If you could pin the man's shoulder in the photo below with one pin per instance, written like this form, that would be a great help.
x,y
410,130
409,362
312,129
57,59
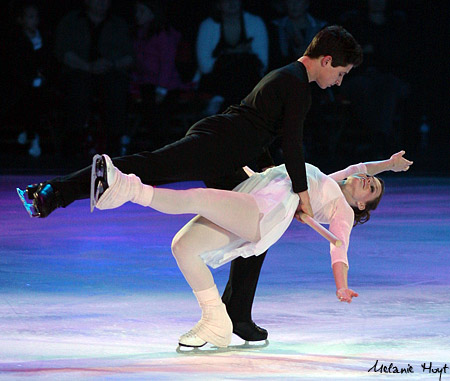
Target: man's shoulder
x,y
291,72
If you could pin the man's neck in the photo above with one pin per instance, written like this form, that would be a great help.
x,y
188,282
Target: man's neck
x,y
311,67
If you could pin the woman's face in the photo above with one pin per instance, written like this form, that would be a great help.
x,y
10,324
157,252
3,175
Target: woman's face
x,y
29,19
143,14
362,188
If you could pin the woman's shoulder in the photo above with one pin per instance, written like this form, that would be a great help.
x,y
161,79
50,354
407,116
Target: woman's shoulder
x,y
343,211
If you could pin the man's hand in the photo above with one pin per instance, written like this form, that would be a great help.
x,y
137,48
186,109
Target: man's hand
x,y
303,206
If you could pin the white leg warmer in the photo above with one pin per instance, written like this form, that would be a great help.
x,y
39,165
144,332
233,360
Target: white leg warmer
x,y
215,326
123,188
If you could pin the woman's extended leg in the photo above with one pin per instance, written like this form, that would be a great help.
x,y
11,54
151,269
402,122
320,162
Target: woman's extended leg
x,y
235,212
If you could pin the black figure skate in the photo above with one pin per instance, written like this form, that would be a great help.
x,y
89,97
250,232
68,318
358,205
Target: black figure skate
x,y
44,199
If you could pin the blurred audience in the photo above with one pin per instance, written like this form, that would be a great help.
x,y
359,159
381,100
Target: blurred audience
x,y
96,53
155,79
296,30
29,65
232,53
97,67
379,85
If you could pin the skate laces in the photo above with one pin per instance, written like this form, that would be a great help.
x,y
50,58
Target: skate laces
x,y
190,334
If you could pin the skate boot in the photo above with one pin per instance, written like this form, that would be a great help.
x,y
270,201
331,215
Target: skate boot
x,y
249,331
110,188
214,327
45,199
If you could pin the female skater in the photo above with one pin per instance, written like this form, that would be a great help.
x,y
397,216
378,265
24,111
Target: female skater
x,y
246,222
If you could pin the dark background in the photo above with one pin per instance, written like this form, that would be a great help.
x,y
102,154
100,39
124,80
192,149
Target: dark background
x,y
426,67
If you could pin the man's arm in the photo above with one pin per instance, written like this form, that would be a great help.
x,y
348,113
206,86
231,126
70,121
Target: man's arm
x,y
297,105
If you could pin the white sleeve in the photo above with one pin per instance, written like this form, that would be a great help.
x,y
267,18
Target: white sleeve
x,y
256,28
350,170
341,225
207,39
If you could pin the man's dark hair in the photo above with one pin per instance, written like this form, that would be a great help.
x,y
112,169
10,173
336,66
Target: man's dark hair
x,y
336,42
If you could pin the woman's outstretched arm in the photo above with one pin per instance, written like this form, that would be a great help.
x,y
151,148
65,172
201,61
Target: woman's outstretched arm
x,y
395,163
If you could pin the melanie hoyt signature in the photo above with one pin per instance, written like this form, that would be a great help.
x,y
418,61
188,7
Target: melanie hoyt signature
x,y
426,367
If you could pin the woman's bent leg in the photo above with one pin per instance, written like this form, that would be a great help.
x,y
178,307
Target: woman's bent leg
x,y
198,236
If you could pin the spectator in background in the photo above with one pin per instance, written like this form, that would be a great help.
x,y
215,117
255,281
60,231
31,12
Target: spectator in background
x,y
155,75
232,53
379,84
96,52
28,61
296,30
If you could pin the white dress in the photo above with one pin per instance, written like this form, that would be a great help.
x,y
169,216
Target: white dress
x,y
273,193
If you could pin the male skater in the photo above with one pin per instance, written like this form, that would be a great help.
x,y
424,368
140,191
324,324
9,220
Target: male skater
x,y
218,146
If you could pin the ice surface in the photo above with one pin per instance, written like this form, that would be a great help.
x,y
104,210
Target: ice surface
x,y
98,296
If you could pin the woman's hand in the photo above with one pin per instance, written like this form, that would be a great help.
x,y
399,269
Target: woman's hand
x,y
346,295
399,163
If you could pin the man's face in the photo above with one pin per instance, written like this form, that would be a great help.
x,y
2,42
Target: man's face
x,y
328,75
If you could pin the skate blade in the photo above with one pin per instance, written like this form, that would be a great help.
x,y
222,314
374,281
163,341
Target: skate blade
x,y
94,176
251,345
194,351
31,210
